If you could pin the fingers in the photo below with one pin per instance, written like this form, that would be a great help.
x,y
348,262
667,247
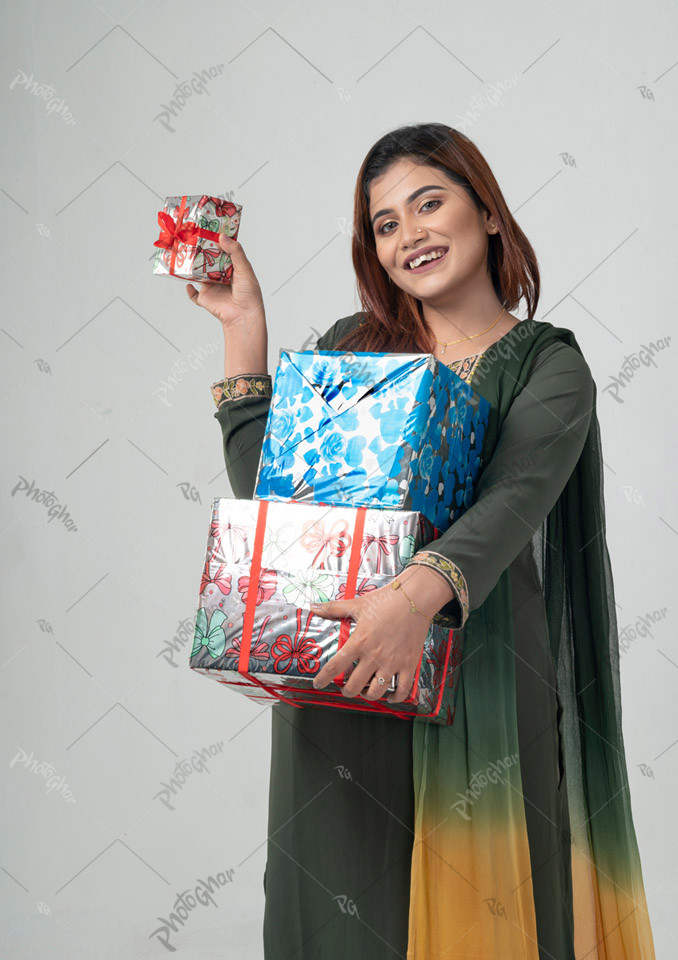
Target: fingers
x,y
361,680
335,666
364,678
358,668
403,689
375,690
343,662
194,295
233,249
336,609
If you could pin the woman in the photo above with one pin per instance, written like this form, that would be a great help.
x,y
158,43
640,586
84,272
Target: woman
x,y
509,833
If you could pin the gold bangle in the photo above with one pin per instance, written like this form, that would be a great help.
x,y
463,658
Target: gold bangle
x,y
395,585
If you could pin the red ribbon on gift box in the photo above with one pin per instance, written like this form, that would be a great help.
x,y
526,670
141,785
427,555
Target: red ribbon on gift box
x,y
173,232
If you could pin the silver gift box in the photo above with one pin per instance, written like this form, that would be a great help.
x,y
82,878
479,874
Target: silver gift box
x,y
266,561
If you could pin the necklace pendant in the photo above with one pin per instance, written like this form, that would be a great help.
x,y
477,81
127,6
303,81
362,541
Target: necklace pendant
x,y
444,348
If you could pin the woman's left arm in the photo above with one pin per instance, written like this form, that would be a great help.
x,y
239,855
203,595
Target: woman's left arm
x,y
540,442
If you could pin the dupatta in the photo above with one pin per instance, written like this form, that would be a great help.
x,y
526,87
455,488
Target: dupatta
x,y
471,889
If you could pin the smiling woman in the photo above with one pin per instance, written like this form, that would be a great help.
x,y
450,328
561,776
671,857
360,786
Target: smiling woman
x,y
507,833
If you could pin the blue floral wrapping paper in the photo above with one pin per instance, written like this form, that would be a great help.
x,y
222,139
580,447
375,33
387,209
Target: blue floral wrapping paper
x,y
304,556
390,430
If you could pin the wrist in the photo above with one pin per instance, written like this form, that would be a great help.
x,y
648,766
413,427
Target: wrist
x,y
253,319
245,349
428,589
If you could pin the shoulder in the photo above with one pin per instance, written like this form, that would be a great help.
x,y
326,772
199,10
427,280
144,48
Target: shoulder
x,y
339,328
560,364
561,353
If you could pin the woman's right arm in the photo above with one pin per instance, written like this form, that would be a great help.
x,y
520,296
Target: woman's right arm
x,y
242,410
243,397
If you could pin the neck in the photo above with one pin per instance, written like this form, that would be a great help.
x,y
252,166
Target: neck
x,y
464,319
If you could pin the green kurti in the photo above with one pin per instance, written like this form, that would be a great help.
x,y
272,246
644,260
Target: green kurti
x,y
342,801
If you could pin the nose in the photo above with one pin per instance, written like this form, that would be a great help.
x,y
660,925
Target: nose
x,y
411,233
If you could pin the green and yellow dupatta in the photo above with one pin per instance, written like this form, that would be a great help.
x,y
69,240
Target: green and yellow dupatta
x,y
471,891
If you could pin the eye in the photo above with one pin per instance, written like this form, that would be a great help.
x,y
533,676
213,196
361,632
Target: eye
x,y
381,228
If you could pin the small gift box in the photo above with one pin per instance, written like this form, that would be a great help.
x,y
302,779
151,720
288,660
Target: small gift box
x,y
188,245
390,430
267,561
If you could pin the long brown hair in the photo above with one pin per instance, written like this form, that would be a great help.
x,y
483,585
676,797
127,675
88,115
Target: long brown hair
x,y
394,319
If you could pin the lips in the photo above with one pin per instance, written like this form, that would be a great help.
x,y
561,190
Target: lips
x,y
428,264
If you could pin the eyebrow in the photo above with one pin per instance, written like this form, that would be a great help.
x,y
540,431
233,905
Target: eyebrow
x,y
412,197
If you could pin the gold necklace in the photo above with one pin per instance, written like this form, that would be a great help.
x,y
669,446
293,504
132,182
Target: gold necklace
x,y
445,344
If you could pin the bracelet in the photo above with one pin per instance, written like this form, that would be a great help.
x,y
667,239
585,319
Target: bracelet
x,y
395,585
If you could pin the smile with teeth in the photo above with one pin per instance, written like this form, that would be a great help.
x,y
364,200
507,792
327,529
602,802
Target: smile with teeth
x,y
432,255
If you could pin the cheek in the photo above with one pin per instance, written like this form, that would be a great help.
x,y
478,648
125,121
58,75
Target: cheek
x,y
386,257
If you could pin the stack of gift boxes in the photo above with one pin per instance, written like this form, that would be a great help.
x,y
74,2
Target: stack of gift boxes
x,y
366,458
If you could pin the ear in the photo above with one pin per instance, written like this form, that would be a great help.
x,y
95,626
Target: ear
x,y
490,222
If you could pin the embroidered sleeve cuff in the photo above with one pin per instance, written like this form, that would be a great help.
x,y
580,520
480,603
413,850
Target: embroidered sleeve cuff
x,y
246,385
451,572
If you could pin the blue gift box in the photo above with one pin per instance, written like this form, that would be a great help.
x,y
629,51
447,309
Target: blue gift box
x,y
396,431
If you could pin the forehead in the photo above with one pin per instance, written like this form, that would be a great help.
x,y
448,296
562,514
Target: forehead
x,y
400,179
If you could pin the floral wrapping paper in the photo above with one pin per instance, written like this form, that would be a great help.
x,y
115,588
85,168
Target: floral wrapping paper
x,y
266,561
202,259
389,430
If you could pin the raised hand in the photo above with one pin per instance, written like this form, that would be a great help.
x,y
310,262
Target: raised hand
x,y
239,300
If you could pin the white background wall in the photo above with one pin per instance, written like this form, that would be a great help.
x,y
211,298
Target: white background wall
x,y
582,140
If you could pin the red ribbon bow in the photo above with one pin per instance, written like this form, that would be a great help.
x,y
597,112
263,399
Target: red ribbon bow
x,y
175,231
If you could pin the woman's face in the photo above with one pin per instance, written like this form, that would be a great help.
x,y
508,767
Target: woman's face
x,y
410,196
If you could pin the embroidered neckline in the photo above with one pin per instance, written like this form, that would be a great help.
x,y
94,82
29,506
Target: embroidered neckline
x,y
466,366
